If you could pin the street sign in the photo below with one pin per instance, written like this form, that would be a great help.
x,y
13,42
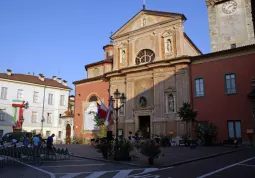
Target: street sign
x,y
249,131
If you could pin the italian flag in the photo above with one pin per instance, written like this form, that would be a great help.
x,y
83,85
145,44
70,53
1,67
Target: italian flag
x,y
18,111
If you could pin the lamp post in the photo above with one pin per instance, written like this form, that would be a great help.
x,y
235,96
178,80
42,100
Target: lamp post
x,y
118,96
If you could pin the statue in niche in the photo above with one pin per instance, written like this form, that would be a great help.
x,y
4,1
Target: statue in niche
x,y
123,56
170,103
169,45
144,22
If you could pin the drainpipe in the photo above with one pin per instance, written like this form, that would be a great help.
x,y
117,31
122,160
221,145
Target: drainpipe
x,y
43,111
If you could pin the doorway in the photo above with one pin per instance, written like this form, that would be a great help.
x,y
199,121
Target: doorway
x,y
68,133
144,126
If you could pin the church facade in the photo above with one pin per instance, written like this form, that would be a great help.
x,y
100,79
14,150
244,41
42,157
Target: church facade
x,y
150,65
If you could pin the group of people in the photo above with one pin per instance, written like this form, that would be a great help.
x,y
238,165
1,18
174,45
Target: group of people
x,y
37,141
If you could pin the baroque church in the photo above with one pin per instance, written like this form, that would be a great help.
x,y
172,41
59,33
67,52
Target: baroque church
x,y
147,61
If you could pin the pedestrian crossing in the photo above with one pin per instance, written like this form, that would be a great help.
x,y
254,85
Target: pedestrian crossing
x,y
107,174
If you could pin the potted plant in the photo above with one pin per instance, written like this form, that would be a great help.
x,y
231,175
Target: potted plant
x,y
188,115
104,146
68,140
122,150
150,149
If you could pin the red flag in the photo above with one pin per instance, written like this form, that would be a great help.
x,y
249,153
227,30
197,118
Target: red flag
x,y
102,111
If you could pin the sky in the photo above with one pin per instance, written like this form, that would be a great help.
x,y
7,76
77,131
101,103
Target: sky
x,y
59,37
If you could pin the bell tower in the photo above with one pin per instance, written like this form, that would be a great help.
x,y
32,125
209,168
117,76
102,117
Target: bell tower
x,y
231,23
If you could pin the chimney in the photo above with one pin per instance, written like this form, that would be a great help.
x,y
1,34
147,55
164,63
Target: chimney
x,y
9,72
65,82
54,77
41,77
59,80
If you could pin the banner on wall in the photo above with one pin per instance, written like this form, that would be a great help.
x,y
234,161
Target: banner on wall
x,y
18,112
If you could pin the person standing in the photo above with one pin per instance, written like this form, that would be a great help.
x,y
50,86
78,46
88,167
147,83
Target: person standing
x,y
50,143
26,141
36,141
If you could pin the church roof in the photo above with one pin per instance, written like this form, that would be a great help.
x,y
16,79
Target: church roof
x,y
150,12
98,62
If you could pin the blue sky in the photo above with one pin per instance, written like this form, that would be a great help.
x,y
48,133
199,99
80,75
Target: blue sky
x,y
59,37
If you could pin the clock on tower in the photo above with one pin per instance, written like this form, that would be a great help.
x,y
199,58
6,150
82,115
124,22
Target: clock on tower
x,y
231,23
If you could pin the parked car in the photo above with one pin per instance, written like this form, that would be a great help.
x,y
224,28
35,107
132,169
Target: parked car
x,y
15,135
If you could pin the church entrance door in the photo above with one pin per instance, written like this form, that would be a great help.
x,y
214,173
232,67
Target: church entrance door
x,y
68,133
144,126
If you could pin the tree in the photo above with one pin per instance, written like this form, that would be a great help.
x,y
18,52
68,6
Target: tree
x,y
100,123
187,114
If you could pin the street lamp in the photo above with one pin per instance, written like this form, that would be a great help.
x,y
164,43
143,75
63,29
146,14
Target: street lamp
x,y
118,96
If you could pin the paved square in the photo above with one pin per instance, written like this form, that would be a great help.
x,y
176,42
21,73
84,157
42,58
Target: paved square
x,y
234,165
73,168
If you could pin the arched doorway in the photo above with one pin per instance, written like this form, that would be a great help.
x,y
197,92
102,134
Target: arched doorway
x,y
68,134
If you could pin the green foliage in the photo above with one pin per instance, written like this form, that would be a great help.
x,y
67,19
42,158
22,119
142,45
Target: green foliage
x,y
102,132
186,113
164,140
206,133
98,121
150,149
68,140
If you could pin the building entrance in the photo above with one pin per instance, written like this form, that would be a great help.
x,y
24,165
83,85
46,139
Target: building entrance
x,y
144,126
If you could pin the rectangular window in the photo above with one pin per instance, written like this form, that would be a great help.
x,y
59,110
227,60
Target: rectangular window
x,y
35,97
230,82
59,121
20,94
50,99
2,115
34,117
3,93
62,100
59,134
49,118
199,87
234,129
47,133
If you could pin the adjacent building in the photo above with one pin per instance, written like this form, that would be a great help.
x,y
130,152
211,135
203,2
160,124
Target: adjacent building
x,y
47,98
222,81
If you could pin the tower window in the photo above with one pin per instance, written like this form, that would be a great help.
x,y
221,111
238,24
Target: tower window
x,y
233,46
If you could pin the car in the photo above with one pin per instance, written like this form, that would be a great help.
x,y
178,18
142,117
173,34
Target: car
x,y
15,135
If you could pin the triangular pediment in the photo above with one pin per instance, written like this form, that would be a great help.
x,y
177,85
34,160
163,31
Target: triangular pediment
x,y
146,18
